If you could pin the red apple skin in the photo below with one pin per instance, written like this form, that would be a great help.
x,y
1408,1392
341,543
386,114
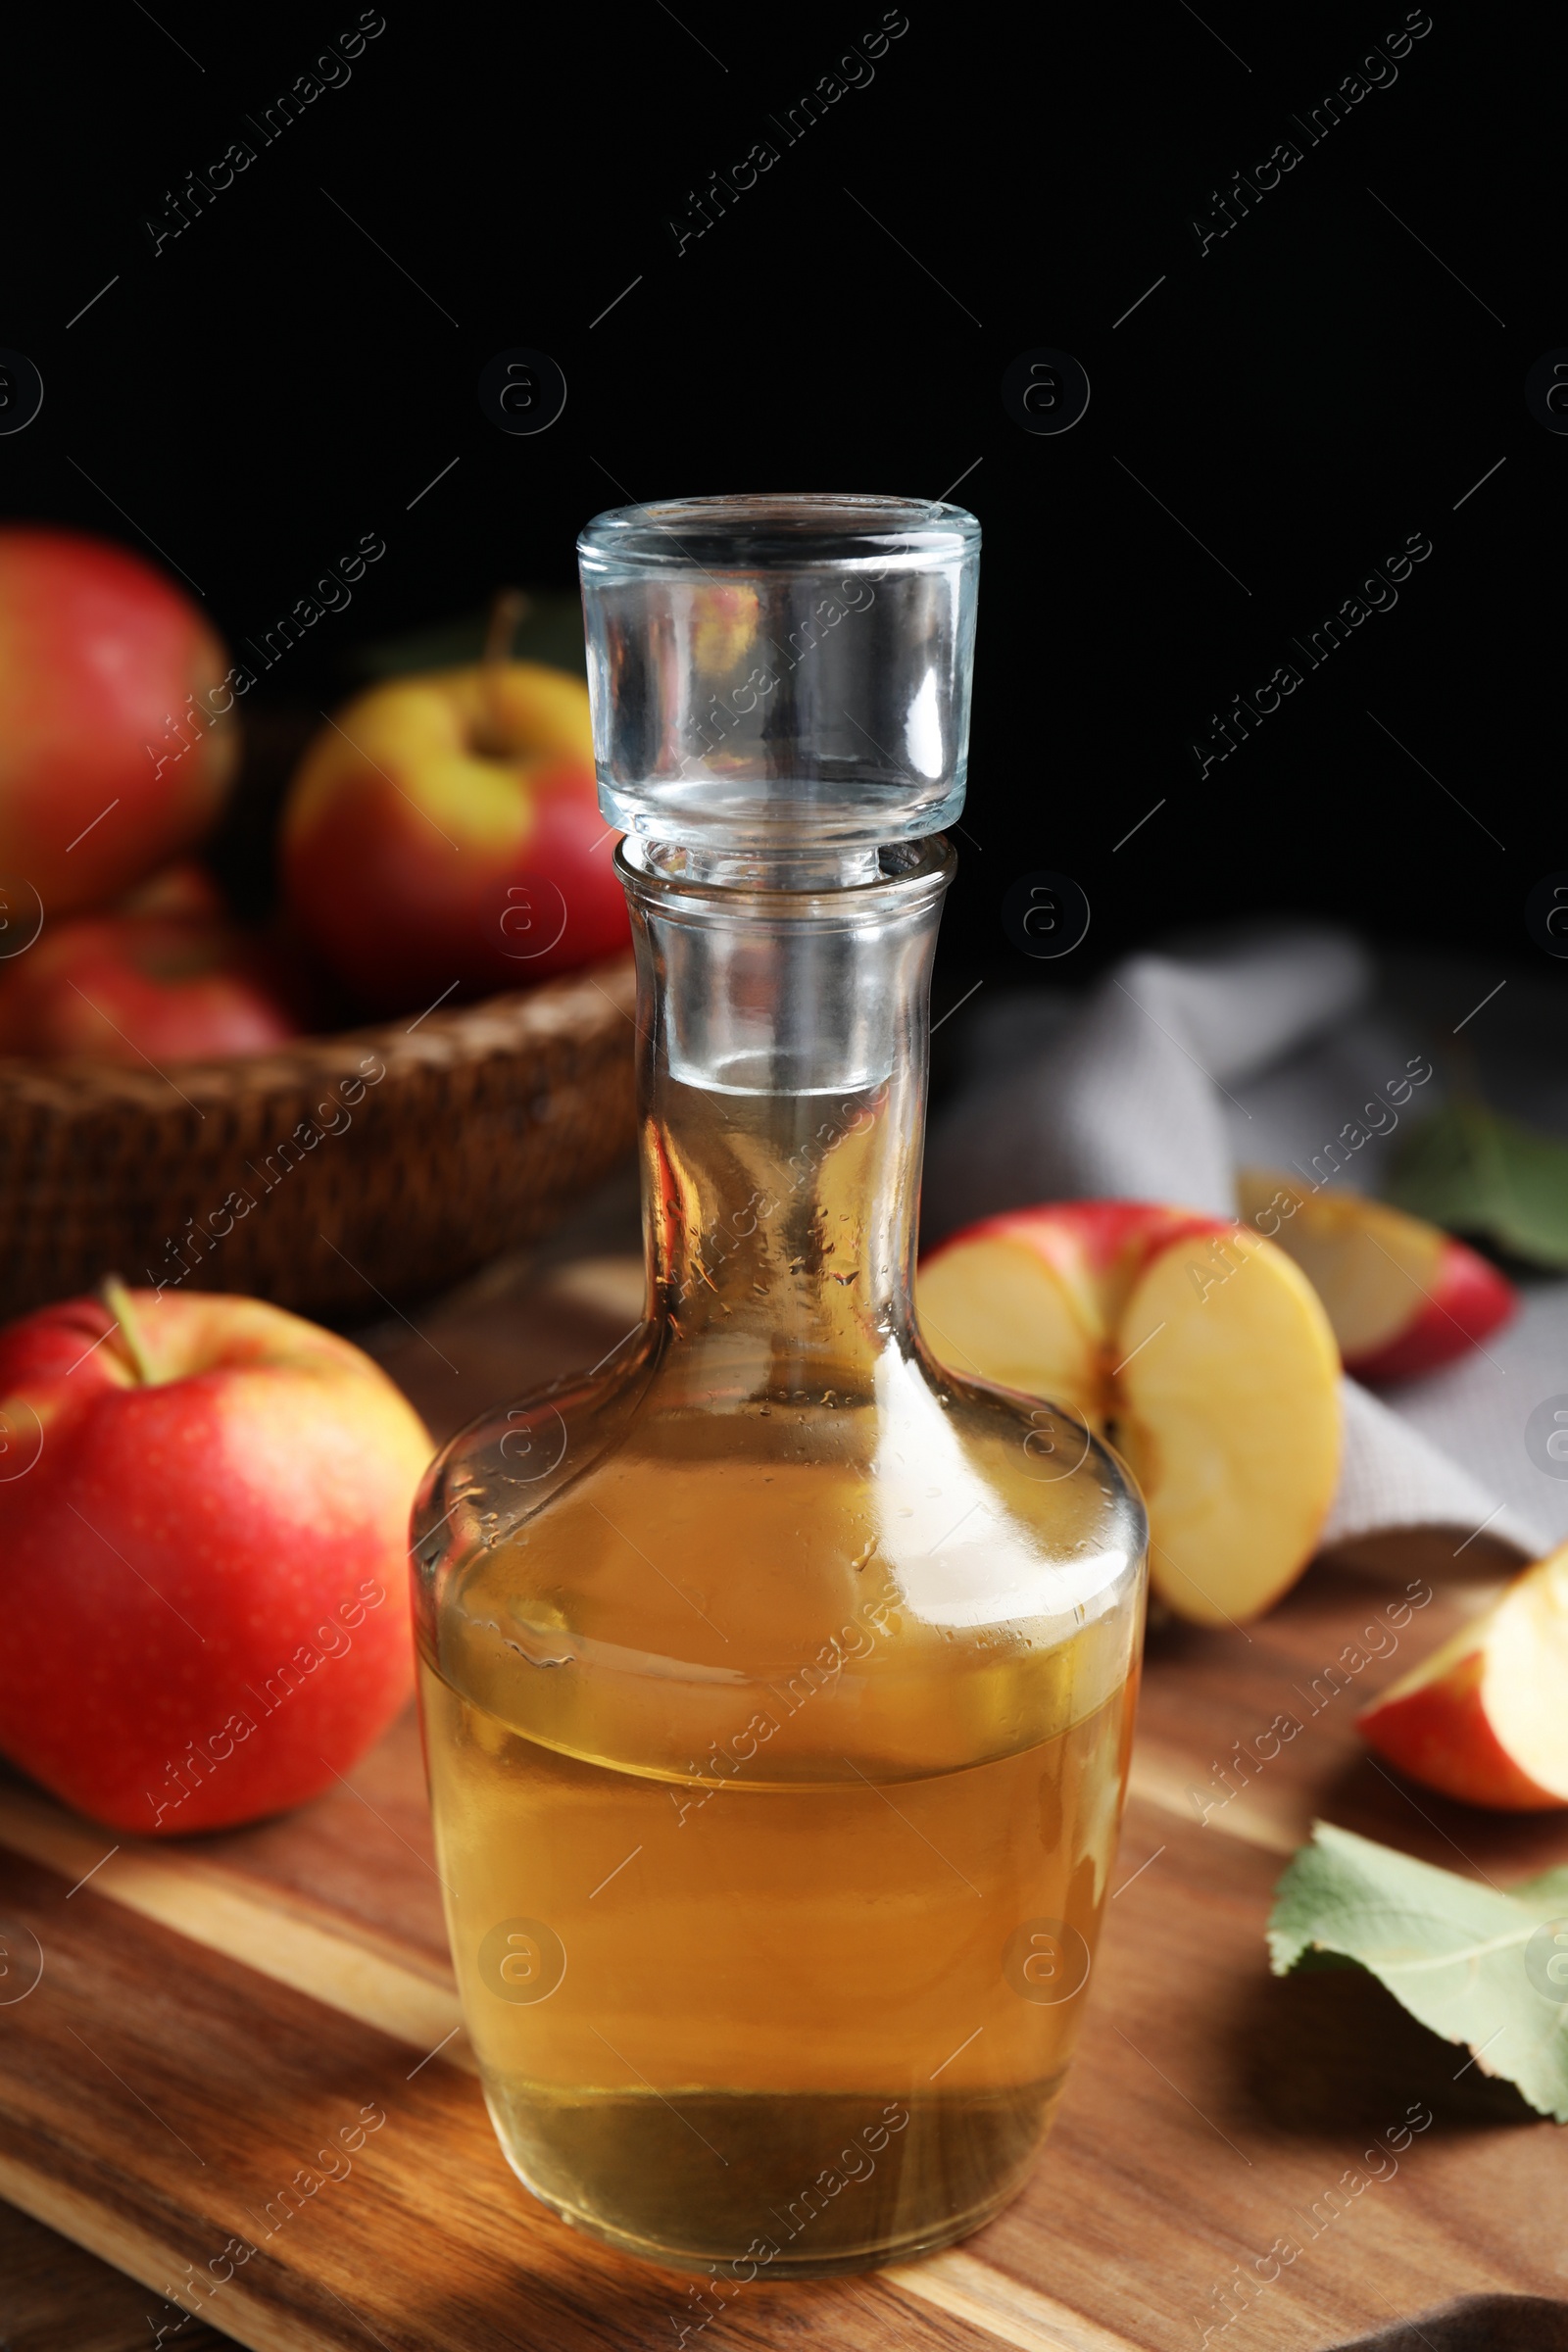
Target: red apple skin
x,y
98,652
1093,1233
205,1580
1468,1302
416,860
135,989
1440,1736
185,887
398,918
1097,1243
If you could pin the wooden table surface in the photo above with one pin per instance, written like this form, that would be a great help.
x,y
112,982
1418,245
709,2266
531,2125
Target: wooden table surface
x,y
211,2010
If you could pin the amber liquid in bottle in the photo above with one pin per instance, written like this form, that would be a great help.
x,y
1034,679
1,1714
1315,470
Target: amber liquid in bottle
x,y
777,1696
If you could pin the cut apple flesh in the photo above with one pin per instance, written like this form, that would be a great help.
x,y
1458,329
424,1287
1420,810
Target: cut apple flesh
x,y
998,1310
1230,1417
1214,1372
1485,1718
1402,1296
1371,1266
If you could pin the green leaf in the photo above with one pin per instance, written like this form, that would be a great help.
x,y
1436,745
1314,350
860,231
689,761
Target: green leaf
x,y
1471,1170
1451,1951
1547,1896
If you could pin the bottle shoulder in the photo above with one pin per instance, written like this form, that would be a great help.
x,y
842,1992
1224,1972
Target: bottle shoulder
x,y
514,1460
711,1436
669,1529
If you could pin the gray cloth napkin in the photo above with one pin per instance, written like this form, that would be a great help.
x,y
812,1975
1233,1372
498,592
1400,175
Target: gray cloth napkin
x,y
1171,1072
1475,2324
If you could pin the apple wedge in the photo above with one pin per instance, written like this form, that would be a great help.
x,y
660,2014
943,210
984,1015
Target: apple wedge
x,y
1485,1718
1197,1348
1404,1297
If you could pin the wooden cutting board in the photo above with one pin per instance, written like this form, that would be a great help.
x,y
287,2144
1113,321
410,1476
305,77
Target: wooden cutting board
x,y
211,2014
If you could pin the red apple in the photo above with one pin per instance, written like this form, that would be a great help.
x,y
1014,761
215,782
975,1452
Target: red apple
x,y
116,734
1485,1718
140,989
445,831
1198,1349
185,888
203,1564
1404,1297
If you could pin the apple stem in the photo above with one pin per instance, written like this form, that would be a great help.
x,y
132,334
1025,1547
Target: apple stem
x,y
116,1299
509,608
507,611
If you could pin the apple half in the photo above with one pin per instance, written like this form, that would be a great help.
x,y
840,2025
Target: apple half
x,y
1485,1718
1404,1297
1198,1349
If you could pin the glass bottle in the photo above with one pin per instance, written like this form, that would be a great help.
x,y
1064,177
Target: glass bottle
x,y
777,1686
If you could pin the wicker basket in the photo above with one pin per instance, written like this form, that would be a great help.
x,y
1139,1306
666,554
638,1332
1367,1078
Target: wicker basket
x,y
332,1176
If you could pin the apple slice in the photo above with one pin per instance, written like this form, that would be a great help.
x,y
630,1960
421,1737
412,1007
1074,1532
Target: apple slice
x,y
1404,1297
1485,1718
1197,1348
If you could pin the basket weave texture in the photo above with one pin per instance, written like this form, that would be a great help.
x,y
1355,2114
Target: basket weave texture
x,y
332,1176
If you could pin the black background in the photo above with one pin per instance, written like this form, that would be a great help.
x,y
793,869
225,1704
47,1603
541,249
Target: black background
x,y
1305,395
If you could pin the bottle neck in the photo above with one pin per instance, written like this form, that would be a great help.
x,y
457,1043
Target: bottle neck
x,y
782,1094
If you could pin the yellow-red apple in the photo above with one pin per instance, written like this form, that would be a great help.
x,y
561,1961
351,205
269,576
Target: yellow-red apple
x,y
1404,1297
117,734
203,1563
443,834
1485,1718
1198,1349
